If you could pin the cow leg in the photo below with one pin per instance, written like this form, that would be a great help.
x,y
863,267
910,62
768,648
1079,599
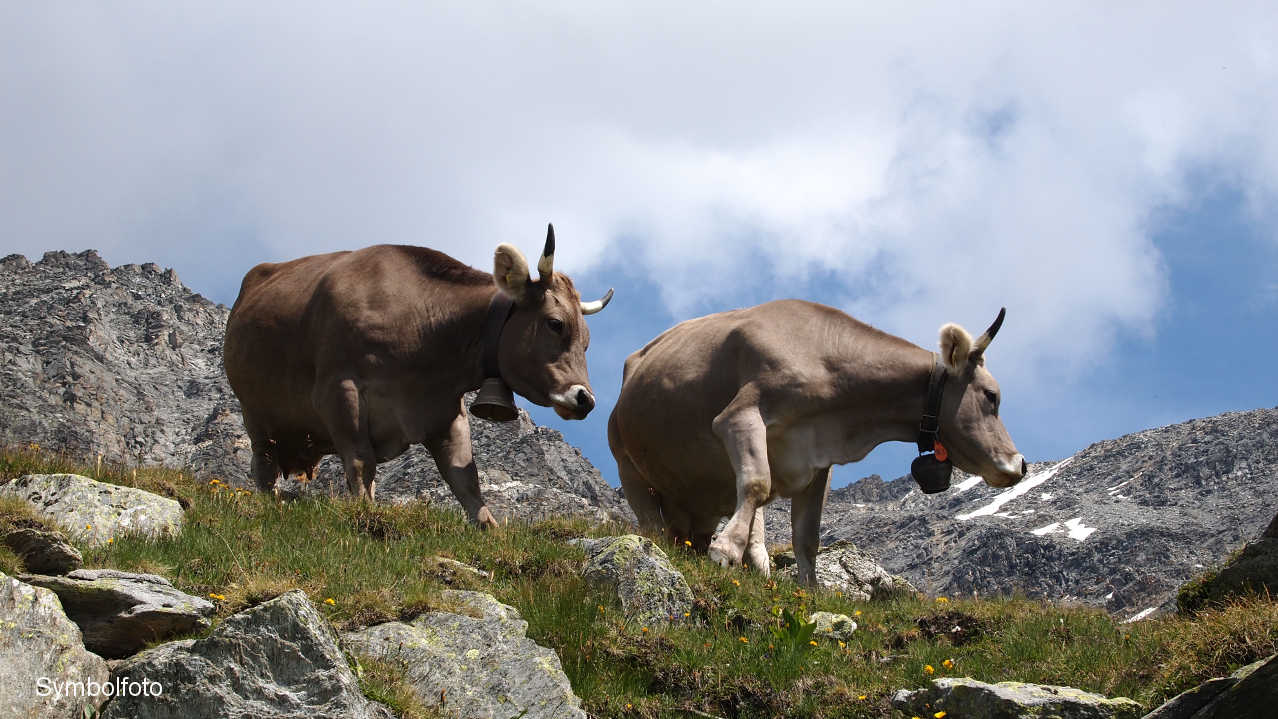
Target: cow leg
x,y
340,406
805,520
263,466
745,437
456,463
641,496
757,551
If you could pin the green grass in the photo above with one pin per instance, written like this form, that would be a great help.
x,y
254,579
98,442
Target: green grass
x,y
724,659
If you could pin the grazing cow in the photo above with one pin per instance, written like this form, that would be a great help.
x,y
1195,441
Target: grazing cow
x,y
722,414
363,353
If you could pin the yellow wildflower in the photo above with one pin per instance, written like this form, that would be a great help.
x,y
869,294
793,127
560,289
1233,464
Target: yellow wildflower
x,y
87,527
942,600
939,715
843,645
812,642
644,629
329,601
948,663
687,543
735,582
927,669
743,640
110,540
857,613
863,697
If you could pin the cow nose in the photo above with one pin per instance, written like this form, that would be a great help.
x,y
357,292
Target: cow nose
x,y
585,402
1024,467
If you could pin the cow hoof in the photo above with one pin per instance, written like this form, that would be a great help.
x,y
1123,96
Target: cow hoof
x,y
724,557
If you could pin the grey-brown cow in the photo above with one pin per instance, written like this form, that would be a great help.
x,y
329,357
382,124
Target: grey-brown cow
x,y
721,414
363,353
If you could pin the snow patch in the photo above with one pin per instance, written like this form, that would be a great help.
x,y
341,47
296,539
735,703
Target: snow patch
x,y
1046,496
966,484
1074,528
1109,596
1140,615
1015,491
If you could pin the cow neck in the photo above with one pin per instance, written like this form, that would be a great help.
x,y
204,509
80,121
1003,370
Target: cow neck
x,y
499,309
930,426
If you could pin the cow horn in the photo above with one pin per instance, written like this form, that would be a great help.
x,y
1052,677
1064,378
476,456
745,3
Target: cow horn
x,y
589,308
546,265
978,347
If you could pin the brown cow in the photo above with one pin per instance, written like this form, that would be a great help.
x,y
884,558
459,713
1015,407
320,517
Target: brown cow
x,y
722,414
363,353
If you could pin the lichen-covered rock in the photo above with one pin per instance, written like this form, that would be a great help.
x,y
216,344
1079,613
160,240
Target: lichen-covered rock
x,y
843,567
278,660
651,591
119,613
451,571
963,697
92,512
1252,691
833,626
43,552
473,663
40,650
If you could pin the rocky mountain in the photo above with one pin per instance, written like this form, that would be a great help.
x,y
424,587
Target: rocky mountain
x,y
1120,525
126,362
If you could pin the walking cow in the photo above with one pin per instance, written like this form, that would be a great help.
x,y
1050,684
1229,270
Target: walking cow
x,y
722,414
363,353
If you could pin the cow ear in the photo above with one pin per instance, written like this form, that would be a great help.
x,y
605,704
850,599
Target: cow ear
x,y
956,347
510,272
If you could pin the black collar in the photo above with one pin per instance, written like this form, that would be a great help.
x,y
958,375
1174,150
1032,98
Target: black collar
x,y
930,427
498,312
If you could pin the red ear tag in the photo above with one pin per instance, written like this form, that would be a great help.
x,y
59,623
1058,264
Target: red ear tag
x,y
941,454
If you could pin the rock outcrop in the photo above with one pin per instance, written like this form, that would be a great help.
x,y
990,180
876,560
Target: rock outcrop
x,y
1252,570
274,661
843,567
475,662
43,552
40,652
92,512
119,613
963,697
126,362
1252,691
650,590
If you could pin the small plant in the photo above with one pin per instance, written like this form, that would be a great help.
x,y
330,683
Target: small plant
x,y
793,633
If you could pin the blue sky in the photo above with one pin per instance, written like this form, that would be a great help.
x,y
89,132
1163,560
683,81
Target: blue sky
x,y
1108,174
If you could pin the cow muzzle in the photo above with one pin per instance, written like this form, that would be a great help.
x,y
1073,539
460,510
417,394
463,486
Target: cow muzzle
x,y
1010,471
575,403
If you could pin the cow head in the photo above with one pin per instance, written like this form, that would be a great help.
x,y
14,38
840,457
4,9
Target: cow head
x,y
542,354
971,430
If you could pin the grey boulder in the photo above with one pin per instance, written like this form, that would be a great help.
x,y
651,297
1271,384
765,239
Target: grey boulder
x,y
651,591
40,650
475,662
276,660
845,568
839,627
43,552
963,697
92,512
120,613
1249,692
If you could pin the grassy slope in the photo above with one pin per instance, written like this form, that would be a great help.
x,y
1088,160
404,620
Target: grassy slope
x,y
373,563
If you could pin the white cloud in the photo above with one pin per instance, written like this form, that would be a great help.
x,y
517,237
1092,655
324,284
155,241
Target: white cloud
x,y
938,162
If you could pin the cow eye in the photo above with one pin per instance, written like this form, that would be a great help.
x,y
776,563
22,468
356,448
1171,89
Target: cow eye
x,y
992,397
556,326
